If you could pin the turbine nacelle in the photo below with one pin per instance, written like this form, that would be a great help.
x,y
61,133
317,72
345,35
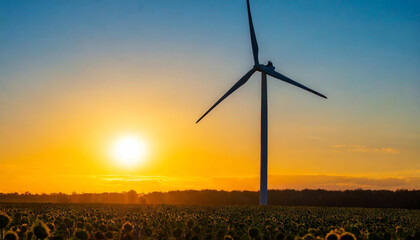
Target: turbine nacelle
x,y
262,67
270,65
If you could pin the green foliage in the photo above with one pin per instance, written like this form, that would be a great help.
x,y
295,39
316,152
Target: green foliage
x,y
109,235
279,236
308,237
10,235
253,233
373,236
23,228
127,227
208,223
127,236
4,220
177,233
40,230
347,236
81,234
228,237
99,236
332,236
57,238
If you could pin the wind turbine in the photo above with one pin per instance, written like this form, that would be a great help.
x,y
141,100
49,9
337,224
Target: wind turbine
x,y
265,70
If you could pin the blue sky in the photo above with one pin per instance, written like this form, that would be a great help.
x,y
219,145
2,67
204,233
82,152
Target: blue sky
x,y
364,55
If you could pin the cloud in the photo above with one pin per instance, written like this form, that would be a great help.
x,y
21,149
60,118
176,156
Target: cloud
x,y
337,182
322,181
361,148
146,184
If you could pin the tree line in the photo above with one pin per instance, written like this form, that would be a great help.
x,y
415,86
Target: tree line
x,y
323,198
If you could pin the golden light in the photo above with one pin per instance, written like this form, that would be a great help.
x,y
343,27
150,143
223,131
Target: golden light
x,y
129,151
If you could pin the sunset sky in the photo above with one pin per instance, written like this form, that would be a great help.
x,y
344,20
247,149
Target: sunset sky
x,y
76,76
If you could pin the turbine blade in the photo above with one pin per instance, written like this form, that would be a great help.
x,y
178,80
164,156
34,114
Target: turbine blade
x,y
237,85
277,75
253,37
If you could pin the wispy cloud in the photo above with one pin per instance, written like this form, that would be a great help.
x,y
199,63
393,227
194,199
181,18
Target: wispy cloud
x,y
145,184
361,148
340,182
132,178
323,181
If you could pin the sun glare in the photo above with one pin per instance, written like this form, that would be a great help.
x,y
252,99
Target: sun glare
x,y
129,151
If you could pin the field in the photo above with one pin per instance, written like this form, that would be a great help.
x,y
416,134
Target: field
x,y
84,221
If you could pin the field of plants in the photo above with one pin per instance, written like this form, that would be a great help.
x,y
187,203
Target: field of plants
x,y
84,221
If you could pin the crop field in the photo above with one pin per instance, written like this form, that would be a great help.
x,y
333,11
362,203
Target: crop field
x,y
84,221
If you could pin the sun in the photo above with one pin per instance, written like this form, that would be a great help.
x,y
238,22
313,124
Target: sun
x,y
129,150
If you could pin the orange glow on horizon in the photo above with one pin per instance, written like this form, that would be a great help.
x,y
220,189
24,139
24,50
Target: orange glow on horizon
x,y
66,146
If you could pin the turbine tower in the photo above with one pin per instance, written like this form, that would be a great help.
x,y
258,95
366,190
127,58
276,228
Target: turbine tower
x,y
265,70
